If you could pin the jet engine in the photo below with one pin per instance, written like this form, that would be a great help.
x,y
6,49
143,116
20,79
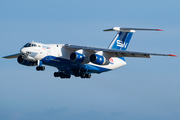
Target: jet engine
x,y
77,57
98,59
22,61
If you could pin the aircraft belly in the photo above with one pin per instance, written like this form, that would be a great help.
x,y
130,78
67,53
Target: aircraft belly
x,y
61,63
56,61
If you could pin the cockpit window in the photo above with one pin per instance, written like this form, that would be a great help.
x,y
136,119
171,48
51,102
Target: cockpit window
x,y
27,45
30,45
34,45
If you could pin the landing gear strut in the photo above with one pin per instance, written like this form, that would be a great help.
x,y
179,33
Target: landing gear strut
x,y
40,68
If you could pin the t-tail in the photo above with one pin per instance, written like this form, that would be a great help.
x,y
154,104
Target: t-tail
x,y
123,37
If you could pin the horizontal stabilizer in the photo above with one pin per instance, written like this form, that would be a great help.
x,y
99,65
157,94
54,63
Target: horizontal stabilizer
x,y
130,29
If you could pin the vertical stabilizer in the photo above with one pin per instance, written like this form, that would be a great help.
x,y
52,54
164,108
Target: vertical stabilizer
x,y
121,40
123,37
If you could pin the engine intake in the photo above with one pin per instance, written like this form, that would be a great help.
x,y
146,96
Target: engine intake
x,y
22,61
98,59
77,57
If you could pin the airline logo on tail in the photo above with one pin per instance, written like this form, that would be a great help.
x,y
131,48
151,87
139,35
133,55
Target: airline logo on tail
x,y
121,41
121,44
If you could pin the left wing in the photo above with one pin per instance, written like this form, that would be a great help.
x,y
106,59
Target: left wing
x,y
115,53
12,56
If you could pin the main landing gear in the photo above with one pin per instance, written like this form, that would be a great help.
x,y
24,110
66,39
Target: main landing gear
x,y
40,68
86,75
61,75
81,73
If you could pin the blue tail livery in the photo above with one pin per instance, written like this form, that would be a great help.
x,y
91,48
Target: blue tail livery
x,y
121,40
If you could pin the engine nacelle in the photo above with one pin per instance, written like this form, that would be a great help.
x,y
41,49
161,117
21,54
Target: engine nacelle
x,y
77,57
98,59
22,61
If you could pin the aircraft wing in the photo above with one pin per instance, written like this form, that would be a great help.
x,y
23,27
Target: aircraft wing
x,y
12,56
115,53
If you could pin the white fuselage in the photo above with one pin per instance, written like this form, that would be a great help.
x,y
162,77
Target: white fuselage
x,y
40,51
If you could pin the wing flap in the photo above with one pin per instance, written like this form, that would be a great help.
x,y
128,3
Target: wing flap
x,y
131,55
12,56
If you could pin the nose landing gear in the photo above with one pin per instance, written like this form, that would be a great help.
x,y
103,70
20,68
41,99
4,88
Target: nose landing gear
x,y
40,68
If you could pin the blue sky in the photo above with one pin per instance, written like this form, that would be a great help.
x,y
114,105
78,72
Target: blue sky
x,y
143,89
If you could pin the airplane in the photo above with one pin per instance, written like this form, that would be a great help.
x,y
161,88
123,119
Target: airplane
x,y
81,61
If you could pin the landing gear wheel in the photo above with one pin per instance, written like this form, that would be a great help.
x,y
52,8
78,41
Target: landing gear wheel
x,y
38,68
42,68
88,75
62,75
56,74
83,75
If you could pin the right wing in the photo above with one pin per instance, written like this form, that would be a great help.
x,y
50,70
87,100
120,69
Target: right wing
x,y
115,53
12,56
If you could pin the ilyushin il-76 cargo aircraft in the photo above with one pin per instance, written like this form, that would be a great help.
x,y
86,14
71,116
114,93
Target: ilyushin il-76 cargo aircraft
x,y
81,61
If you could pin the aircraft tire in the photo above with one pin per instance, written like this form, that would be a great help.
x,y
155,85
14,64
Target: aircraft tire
x,y
56,74
42,68
88,75
62,75
83,75
37,68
